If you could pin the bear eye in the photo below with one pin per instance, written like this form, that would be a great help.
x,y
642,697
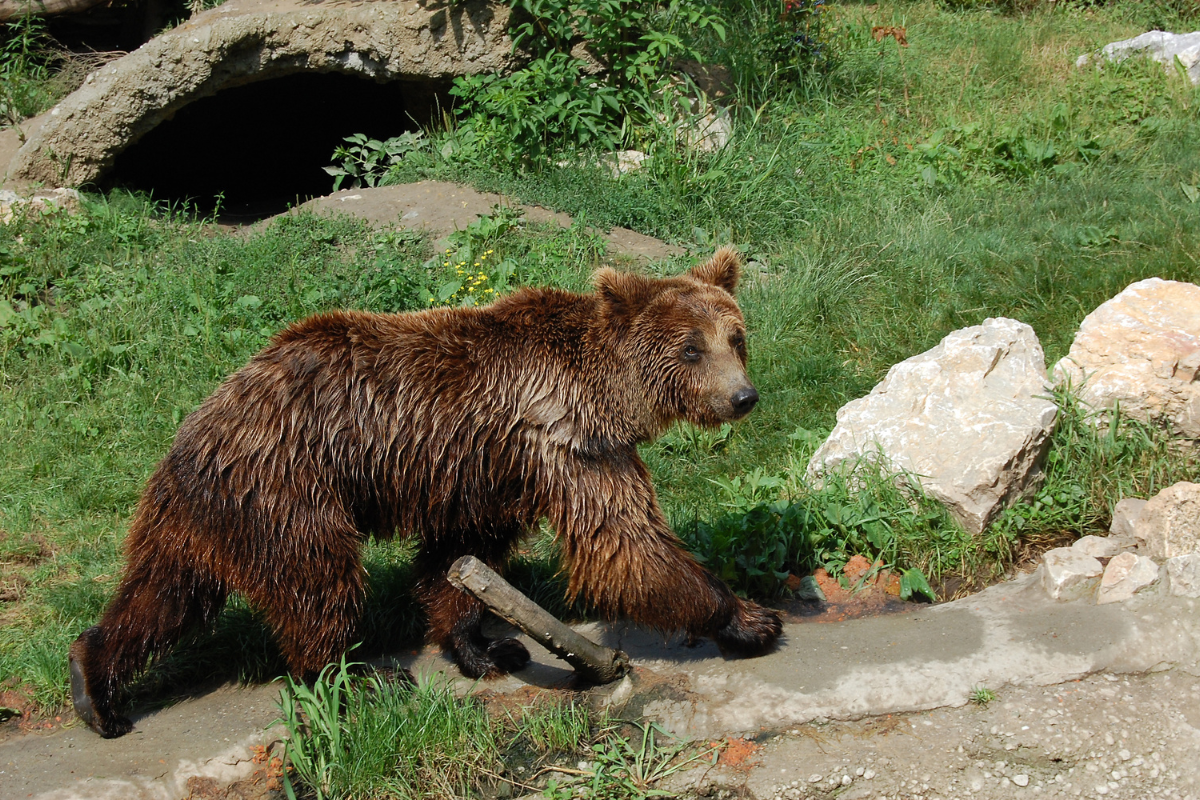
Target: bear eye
x,y
691,353
737,341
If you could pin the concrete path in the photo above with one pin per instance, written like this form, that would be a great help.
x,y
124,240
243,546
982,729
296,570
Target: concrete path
x,y
887,695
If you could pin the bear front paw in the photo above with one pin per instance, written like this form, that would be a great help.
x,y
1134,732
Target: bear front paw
x,y
752,631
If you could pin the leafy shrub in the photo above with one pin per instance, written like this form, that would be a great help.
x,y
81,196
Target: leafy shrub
x,y
25,57
561,101
795,43
756,546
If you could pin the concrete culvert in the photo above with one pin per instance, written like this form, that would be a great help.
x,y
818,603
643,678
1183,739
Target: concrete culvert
x,y
299,74
261,147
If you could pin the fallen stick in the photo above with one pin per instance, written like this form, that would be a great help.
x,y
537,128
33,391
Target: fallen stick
x,y
592,662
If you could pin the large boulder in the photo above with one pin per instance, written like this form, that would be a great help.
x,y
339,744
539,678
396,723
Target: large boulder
x,y
1163,47
1141,350
243,41
969,419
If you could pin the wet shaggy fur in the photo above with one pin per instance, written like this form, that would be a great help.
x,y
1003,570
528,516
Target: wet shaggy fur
x,y
459,427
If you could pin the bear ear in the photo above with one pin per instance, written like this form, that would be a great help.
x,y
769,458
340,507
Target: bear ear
x,y
623,294
723,269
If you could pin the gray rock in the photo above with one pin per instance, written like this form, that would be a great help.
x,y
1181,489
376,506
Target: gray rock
x,y
241,41
1067,574
968,420
1141,350
1183,575
1169,525
1126,514
1161,46
1126,575
1097,546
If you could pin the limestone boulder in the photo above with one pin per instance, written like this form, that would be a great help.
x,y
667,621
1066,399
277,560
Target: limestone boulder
x,y
1124,576
1067,574
1164,47
1141,350
1169,524
969,420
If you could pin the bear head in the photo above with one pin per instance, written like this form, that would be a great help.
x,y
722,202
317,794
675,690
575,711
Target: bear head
x,y
684,339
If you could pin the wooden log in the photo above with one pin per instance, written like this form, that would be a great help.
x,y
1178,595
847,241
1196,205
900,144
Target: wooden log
x,y
19,8
592,662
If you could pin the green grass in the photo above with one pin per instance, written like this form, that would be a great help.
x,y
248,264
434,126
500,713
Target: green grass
x,y
902,194
374,736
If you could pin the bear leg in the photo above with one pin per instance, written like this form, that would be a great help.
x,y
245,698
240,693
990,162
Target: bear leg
x,y
455,623
456,618
317,617
147,616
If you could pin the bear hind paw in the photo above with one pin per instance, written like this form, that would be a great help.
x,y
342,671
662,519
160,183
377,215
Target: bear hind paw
x,y
508,655
494,659
753,631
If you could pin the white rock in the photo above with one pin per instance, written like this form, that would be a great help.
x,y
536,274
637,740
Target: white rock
x,y
1097,546
967,419
1183,575
711,132
1068,574
1169,524
1124,576
1126,514
1021,780
1141,350
43,200
625,161
1161,46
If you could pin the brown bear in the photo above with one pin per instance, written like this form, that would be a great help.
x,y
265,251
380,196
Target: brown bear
x,y
459,427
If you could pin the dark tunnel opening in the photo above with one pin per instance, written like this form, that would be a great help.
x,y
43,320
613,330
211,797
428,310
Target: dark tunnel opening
x,y
261,148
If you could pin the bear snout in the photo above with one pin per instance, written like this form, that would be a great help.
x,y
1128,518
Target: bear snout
x,y
743,400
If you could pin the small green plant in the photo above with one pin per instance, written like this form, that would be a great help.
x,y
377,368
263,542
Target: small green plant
x,y
473,272
364,161
981,695
744,492
633,757
694,441
25,60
